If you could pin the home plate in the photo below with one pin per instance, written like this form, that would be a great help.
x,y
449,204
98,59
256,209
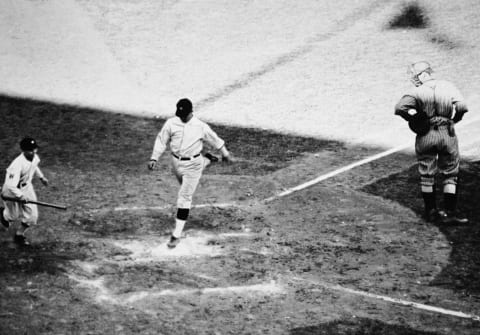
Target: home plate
x,y
153,249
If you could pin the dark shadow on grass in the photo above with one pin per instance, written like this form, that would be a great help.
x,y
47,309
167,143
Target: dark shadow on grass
x,y
463,271
359,326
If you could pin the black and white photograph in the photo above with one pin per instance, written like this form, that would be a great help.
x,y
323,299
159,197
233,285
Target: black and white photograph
x,y
231,167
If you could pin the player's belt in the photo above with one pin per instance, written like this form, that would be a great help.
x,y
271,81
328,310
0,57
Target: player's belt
x,y
185,158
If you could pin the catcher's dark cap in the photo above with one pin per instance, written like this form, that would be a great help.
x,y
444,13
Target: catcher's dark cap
x,y
184,107
28,144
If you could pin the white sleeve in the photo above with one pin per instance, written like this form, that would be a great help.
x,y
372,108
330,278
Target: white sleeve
x,y
39,173
211,137
161,141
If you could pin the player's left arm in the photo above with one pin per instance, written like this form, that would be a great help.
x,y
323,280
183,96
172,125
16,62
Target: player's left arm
x,y
161,142
216,142
460,110
41,176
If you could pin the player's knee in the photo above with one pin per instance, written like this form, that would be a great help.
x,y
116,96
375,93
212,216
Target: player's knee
x,y
182,213
184,202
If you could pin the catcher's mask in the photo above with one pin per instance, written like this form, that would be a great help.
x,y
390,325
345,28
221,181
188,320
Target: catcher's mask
x,y
416,69
184,107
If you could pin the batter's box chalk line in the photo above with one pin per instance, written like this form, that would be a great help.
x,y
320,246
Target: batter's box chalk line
x,y
103,294
270,288
416,305
143,208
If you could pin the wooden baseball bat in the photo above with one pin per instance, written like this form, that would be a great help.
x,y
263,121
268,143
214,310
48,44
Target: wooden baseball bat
x,y
40,203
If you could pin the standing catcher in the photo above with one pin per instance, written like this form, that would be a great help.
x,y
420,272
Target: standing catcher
x,y
436,148
186,134
18,184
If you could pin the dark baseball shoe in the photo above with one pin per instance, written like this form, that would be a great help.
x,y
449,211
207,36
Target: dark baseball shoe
x,y
211,157
455,219
433,216
173,242
5,223
21,240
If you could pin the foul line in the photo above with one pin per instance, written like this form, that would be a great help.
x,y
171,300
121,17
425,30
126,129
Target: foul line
x,y
394,300
338,171
351,166
304,185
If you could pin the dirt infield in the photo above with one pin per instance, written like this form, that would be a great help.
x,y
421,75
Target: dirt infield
x,y
319,261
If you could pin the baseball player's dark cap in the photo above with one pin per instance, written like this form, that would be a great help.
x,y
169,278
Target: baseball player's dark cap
x,y
28,144
184,107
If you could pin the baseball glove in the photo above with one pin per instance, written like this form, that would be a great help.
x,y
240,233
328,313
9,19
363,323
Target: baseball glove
x,y
419,123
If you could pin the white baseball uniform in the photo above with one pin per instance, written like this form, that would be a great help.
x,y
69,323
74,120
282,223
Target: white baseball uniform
x,y
18,184
186,143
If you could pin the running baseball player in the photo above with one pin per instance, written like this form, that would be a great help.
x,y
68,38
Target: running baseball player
x,y
18,184
186,134
437,150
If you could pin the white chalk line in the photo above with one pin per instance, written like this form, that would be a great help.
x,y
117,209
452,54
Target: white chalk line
x,y
288,191
301,186
102,293
337,171
352,166
265,288
140,208
392,300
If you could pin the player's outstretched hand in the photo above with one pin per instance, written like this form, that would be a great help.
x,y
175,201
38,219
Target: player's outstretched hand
x,y
229,159
151,164
44,181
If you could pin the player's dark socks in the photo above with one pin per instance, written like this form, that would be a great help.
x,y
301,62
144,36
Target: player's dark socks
x,y
21,240
450,202
182,213
430,206
452,217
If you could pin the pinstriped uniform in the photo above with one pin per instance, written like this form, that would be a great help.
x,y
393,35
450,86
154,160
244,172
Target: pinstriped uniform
x,y
437,151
